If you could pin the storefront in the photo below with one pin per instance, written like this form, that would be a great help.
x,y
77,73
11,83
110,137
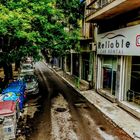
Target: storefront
x,y
108,70
68,63
132,77
75,66
118,64
108,76
85,65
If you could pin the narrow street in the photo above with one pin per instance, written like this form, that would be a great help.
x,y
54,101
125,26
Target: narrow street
x,y
60,113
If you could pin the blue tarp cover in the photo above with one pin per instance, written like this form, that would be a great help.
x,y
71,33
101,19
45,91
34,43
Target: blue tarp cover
x,y
17,87
15,91
11,96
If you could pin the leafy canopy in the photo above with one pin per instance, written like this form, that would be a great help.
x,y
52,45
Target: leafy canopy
x,y
27,26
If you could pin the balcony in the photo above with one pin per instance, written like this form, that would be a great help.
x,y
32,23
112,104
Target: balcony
x,y
86,32
85,39
98,10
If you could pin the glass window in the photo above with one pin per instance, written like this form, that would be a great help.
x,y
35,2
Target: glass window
x,y
109,66
133,94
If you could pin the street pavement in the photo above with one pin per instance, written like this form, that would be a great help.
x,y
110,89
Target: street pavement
x,y
117,115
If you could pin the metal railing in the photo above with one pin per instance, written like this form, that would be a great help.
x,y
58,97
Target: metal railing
x,y
96,5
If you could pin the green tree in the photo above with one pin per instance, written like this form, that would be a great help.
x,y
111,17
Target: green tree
x,y
28,26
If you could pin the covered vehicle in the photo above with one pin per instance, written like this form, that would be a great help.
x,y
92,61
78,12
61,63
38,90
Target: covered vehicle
x,y
31,81
26,67
16,88
9,113
28,60
10,96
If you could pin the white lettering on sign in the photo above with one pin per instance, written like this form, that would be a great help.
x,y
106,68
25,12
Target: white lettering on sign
x,y
124,41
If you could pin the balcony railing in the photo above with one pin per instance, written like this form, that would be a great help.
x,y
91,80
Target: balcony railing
x,y
98,3
95,5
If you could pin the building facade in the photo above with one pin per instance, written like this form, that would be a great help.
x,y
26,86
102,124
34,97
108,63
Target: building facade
x,y
80,64
117,38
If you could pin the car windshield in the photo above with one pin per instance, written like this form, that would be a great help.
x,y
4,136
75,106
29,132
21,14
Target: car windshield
x,y
27,67
28,78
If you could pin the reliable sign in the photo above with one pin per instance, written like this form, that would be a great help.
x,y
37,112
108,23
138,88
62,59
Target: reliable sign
x,y
124,41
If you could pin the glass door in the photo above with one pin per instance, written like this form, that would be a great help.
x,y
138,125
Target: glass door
x,y
109,67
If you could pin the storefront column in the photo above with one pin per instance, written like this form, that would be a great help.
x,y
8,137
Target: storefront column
x,y
99,77
61,62
90,76
120,78
95,70
71,64
127,78
80,66
65,64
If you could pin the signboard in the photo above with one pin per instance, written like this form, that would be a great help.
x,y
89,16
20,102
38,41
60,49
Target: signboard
x,y
124,41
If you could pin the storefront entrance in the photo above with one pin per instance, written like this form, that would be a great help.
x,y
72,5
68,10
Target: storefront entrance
x,y
85,66
133,90
76,64
107,74
68,62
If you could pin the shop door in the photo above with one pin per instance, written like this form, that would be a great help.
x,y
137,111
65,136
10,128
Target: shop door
x,y
76,65
109,66
85,66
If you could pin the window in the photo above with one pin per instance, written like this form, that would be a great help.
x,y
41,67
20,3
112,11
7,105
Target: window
x,y
133,93
109,66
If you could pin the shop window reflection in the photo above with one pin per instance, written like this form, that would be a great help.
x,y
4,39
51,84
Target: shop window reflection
x,y
109,74
133,94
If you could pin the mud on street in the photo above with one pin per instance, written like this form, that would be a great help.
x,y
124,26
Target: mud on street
x,y
60,113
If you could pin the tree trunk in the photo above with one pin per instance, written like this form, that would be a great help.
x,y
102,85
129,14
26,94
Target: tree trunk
x,y
17,65
8,72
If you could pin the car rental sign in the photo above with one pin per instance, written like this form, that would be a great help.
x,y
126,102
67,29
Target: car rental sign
x,y
124,41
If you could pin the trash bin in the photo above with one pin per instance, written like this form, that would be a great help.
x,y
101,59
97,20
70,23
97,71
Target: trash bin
x,y
8,120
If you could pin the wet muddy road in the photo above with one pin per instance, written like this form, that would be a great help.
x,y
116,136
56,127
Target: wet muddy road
x,y
60,113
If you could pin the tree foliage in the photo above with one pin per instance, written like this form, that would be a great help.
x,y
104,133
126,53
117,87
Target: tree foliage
x,y
27,26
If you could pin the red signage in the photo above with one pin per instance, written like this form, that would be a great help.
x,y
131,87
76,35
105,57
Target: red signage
x,y
138,40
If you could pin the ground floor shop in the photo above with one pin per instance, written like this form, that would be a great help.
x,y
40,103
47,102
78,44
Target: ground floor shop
x,y
85,65
108,75
118,79
80,66
75,64
118,67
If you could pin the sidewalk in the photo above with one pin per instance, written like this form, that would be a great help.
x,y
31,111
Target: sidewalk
x,y
120,117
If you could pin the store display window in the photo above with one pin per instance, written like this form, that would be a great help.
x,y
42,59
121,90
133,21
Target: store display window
x,y
109,66
133,93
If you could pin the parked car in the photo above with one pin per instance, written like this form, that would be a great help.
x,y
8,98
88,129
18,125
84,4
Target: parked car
x,y
26,68
28,60
31,83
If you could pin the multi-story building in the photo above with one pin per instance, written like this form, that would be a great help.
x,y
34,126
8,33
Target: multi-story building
x,y
79,64
87,53
117,37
